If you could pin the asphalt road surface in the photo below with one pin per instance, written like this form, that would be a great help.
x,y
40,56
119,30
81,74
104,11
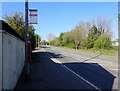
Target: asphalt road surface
x,y
60,68
99,70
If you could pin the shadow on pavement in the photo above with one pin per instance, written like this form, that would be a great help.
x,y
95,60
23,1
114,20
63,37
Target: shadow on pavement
x,y
46,74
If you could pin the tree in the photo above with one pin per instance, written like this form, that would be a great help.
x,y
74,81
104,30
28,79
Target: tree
x,y
57,42
43,42
92,37
103,24
104,41
60,39
79,34
78,37
89,43
16,21
37,39
52,42
87,34
66,38
50,37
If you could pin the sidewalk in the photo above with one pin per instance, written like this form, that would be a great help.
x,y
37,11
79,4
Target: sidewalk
x,y
46,74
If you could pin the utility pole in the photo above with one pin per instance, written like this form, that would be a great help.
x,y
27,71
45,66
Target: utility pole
x,y
33,20
37,40
26,40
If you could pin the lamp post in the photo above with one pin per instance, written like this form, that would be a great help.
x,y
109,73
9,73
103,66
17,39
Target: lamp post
x,y
26,40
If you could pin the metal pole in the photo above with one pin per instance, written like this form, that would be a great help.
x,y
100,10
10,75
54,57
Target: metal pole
x,y
26,40
37,40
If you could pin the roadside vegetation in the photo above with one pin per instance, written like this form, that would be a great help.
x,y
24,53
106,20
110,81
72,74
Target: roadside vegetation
x,y
17,22
99,51
39,47
91,36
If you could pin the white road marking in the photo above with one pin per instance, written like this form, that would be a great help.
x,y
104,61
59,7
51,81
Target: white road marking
x,y
55,60
95,65
114,69
40,50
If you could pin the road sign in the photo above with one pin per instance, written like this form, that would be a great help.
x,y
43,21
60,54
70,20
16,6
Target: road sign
x,y
33,16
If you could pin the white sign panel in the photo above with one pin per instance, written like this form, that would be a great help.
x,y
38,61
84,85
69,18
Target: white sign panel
x,y
33,16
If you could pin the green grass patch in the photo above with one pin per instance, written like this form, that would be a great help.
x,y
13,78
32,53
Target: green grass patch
x,y
114,48
36,47
104,52
111,52
40,46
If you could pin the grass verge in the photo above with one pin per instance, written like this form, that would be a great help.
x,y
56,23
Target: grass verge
x,y
39,47
104,52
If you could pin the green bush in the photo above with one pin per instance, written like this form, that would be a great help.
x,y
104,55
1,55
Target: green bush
x,y
107,44
98,43
52,42
103,41
71,45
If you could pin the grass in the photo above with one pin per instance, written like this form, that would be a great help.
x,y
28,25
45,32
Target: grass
x,y
36,47
39,47
111,52
114,48
104,52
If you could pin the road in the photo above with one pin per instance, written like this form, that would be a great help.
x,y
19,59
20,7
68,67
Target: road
x,y
100,70
60,68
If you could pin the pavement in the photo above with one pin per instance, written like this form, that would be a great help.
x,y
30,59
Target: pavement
x,y
59,68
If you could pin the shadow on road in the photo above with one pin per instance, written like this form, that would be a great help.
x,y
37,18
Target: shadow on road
x,y
45,47
94,73
91,58
46,74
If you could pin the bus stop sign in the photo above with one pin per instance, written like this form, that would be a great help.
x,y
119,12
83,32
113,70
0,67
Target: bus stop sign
x,y
33,16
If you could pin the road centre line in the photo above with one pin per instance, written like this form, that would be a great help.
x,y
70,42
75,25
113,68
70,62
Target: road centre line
x,y
53,59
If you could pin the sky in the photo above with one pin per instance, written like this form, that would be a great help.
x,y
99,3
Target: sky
x,y
61,0
57,17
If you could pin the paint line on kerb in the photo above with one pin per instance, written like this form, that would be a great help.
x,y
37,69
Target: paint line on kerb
x,y
55,60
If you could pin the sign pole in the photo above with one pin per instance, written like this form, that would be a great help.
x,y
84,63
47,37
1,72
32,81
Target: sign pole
x,y
26,40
